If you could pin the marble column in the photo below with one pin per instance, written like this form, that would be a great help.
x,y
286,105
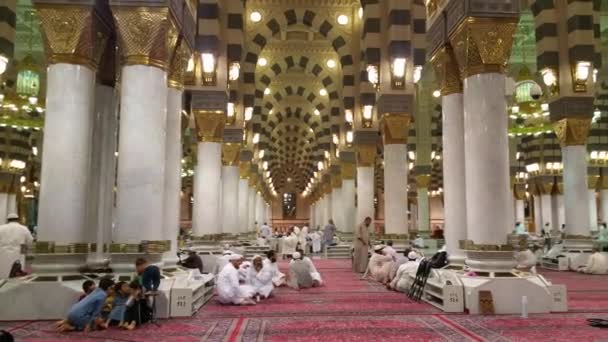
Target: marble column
x,y
69,106
3,206
454,184
243,197
576,197
604,199
12,204
395,130
252,202
336,206
366,156
424,215
538,221
592,184
520,213
545,188
230,188
348,196
207,218
173,167
102,171
259,209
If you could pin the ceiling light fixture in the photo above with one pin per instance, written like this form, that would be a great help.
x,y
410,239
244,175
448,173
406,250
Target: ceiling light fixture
x,y
255,16
331,63
323,92
262,61
342,19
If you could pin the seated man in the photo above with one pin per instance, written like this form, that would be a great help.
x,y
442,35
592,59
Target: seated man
x,y
223,260
300,273
229,289
389,250
260,278
149,275
379,266
193,261
316,276
597,263
278,278
401,282
526,259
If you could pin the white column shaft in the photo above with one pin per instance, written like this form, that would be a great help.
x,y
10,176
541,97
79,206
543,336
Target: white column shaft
x,y
365,193
259,209
454,184
546,213
604,204
66,153
576,198
12,204
520,213
486,159
207,187
3,206
243,205
230,199
424,215
173,169
592,210
141,159
538,221
336,208
348,204
252,204
395,189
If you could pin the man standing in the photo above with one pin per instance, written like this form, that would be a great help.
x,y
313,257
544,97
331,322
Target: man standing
x,y
328,233
361,246
12,236
265,231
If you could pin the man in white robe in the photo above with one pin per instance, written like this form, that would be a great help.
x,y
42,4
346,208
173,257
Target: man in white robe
x,y
229,289
12,236
223,261
597,263
316,276
526,259
260,278
290,243
302,239
400,281
278,278
389,250
315,237
379,267
300,273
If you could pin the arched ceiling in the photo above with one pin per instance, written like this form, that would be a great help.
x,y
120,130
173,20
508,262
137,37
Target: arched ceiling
x,y
298,56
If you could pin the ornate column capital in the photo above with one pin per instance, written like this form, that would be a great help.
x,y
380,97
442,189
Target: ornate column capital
x,y
446,70
72,34
244,168
545,186
559,188
253,180
572,131
395,128
348,170
336,181
593,182
603,183
230,154
366,154
146,35
210,125
423,181
519,192
178,65
483,45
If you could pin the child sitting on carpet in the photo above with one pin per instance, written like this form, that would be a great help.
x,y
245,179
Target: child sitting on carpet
x,y
87,287
85,314
137,307
122,291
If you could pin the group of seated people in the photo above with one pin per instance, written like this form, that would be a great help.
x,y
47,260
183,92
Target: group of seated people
x,y
242,282
124,305
390,268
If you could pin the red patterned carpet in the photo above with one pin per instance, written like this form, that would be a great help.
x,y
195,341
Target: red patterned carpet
x,y
350,309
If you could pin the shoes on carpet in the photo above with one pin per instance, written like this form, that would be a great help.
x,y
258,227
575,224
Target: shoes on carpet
x,y
598,323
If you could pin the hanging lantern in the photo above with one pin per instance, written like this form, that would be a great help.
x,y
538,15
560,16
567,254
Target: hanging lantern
x,y
28,78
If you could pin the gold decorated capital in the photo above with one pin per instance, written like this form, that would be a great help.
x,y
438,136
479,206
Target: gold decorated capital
x,y
545,187
446,71
395,128
592,182
603,183
336,181
348,170
230,154
327,188
366,155
572,131
72,34
178,65
483,45
559,188
210,125
423,181
519,192
253,180
9,182
147,35
244,168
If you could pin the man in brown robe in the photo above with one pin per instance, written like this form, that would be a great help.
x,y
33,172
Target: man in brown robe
x,y
361,246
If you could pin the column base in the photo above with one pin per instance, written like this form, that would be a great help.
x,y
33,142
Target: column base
x,y
490,261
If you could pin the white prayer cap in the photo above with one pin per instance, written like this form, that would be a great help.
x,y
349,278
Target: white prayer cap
x,y
12,216
296,255
378,247
227,252
234,257
412,255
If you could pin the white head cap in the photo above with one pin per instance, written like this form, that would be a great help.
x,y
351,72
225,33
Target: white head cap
x,y
12,216
234,257
296,255
378,247
227,252
412,255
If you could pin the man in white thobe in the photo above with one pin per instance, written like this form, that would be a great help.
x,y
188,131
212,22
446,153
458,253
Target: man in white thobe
x,y
290,243
597,263
229,289
260,278
526,259
315,237
12,236
389,250
265,231
400,281
223,261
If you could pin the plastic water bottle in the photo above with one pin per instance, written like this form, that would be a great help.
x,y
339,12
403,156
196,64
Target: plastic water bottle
x,y
524,307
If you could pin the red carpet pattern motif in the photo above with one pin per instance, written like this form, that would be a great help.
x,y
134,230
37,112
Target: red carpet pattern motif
x,y
350,309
